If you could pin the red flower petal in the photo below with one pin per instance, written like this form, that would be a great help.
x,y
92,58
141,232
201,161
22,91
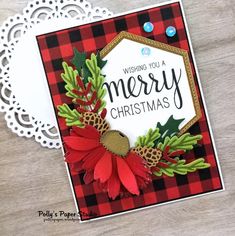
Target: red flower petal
x,y
136,163
75,156
88,132
141,183
88,177
103,168
77,167
114,182
92,158
126,176
81,144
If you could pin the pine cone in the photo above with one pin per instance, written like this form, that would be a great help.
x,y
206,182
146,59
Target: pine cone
x,y
95,120
151,155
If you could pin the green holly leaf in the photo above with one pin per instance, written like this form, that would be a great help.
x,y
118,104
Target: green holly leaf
x,y
101,63
86,74
72,117
149,139
181,168
170,128
79,60
185,142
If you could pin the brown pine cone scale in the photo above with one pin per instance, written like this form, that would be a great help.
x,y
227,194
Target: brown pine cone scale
x,y
151,155
95,120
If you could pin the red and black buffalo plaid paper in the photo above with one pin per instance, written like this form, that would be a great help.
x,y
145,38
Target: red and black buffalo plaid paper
x,y
58,46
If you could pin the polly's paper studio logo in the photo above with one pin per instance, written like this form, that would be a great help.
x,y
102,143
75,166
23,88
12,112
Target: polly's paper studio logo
x,y
151,88
58,216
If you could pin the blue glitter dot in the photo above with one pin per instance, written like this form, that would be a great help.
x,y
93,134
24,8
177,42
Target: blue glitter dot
x,y
171,31
146,51
148,27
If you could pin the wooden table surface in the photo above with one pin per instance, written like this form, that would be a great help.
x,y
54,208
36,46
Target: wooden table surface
x,y
33,178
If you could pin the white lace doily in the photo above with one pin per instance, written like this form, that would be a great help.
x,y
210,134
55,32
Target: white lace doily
x,y
24,96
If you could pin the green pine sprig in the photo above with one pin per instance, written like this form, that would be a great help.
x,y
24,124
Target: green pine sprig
x,y
149,139
70,78
96,79
185,142
72,117
181,168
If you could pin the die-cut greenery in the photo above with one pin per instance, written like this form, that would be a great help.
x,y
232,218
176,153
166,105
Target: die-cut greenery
x,y
70,78
185,142
72,117
149,139
167,136
182,168
84,85
88,96
79,61
96,78
170,128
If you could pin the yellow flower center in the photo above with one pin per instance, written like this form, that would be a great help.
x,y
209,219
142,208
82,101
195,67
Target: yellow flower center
x,y
116,142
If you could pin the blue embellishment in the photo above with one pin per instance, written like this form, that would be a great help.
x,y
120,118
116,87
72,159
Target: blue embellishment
x,y
148,27
171,31
146,51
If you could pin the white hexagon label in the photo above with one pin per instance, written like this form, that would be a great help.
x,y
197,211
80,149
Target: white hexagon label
x,y
147,82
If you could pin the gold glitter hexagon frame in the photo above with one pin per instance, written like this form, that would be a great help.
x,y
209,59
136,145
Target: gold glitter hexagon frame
x,y
136,38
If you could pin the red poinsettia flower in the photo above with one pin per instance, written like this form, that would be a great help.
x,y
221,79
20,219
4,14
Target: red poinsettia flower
x,y
107,159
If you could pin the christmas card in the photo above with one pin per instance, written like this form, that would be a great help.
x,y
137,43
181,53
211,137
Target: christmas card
x,y
130,111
